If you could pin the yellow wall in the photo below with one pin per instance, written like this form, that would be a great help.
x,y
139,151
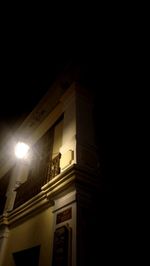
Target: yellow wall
x,y
35,231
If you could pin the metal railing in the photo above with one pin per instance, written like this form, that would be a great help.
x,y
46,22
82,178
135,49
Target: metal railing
x,y
33,186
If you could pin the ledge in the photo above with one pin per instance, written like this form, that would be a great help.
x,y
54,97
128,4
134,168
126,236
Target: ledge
x,y
26,210
74,177
77,178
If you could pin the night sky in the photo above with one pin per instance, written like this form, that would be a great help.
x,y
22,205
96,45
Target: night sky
x,y
32,55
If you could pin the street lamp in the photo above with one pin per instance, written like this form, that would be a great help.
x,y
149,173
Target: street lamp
x,y
21,150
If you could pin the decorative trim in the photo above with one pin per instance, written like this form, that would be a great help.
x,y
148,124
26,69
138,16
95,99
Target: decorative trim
x,y
75,178
34,205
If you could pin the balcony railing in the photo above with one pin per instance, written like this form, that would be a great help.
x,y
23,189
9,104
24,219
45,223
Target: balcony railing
x,y
53,168
33,186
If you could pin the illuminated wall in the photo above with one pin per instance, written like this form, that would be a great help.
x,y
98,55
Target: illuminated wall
x,y
35,231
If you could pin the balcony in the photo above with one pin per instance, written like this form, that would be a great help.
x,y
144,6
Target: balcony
x,y
33,186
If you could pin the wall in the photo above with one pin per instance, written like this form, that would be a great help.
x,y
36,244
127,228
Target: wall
x,y
35,231
63,204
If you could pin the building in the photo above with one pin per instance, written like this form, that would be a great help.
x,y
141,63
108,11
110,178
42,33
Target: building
x,y
47,201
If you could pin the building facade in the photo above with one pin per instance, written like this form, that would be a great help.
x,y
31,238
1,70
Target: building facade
x,y
47,201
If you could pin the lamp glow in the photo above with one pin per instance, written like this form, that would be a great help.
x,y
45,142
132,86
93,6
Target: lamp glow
x,y
21,150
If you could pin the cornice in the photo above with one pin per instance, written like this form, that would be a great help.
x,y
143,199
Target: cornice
x,y
26,210
75,178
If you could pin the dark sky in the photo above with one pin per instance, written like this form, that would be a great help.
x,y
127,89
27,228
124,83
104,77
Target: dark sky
x,y
34,48
25,78
31,63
